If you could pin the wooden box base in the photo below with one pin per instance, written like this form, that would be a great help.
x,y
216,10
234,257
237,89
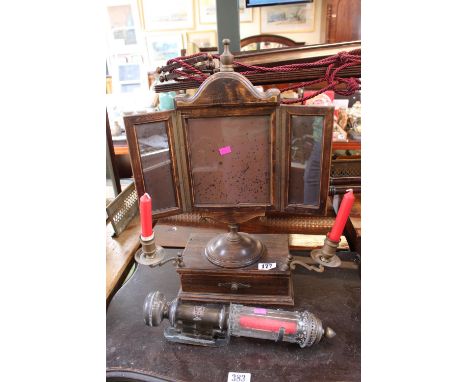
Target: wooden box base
x,y
203,281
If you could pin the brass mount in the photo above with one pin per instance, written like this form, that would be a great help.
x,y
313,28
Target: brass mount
x,y
323,257
153,255
227,58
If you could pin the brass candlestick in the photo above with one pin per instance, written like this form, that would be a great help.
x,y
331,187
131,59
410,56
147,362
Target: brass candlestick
x,y
152,255
324,257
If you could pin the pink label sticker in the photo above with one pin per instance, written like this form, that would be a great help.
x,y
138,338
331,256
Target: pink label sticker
x,y
225,150
260,311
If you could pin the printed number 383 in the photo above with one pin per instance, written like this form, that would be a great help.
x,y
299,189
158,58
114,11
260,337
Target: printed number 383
x,y
237,378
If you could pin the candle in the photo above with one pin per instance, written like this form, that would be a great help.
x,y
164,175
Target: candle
x,y
270,324
146,216
342,216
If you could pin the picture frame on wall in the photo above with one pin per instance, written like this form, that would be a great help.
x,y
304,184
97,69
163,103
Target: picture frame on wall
x,y
157,16
123,28
162,47
288,18
127,73
245,14
201,39
207,11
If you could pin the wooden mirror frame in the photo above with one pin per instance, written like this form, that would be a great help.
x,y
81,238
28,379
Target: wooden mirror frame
x,y
270,112
288,112
131,126
229,94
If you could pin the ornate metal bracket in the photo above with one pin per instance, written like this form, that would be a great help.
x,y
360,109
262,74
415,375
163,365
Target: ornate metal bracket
x,y
310,267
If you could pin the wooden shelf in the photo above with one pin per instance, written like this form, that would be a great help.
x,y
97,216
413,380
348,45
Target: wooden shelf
x,y
346,145
121,150
119,253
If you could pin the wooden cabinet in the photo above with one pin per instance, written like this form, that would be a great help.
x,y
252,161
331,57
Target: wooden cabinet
x,y
343,20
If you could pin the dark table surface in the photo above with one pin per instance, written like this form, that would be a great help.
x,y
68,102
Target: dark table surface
x,y
141,353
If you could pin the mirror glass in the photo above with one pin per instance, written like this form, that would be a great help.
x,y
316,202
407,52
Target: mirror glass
x,y
230,160
156,164
306,160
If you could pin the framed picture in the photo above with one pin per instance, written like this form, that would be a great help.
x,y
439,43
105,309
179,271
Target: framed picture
x,y
245,14
288,18
128,77
176,14
202,39
123,36
207,11
162,47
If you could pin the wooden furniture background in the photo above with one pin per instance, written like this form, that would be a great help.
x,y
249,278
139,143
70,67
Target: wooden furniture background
x,y
111,163
258,40
345,174
353,226
136,352
119,254
346,145
343,20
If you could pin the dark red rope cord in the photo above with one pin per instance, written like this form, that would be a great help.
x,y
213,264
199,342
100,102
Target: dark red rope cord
x,y
185,57
335,64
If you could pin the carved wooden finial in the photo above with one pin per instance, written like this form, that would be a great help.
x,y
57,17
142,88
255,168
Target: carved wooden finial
x,y
227,58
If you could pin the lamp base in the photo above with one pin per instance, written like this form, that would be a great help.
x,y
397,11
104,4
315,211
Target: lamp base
x,y
234,249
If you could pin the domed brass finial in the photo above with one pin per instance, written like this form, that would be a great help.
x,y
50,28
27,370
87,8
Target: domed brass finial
x,y
227,58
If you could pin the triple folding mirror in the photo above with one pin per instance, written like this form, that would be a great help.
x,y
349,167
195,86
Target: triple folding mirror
x,y
231,147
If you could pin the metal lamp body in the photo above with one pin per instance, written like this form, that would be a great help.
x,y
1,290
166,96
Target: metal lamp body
x,y
213,325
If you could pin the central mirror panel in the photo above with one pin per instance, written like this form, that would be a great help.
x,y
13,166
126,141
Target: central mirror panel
x,y
230,160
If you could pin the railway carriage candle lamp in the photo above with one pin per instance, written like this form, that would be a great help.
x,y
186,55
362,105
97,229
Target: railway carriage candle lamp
x,y
214,324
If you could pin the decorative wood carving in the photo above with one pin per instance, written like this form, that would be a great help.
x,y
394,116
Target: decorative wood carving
x,y
227,89
269,38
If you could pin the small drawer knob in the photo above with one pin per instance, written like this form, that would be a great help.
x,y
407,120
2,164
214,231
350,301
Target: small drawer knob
x,y
234,286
